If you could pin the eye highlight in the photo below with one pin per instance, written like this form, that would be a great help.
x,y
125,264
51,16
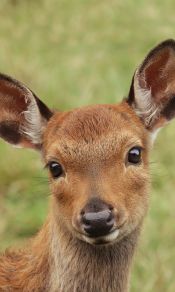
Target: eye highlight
x,y
55,169
134,155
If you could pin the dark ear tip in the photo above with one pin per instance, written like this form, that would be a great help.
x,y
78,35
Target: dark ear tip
x,y
169,43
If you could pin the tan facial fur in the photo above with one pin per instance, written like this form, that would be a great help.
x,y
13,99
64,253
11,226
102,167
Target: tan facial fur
x,y
92,145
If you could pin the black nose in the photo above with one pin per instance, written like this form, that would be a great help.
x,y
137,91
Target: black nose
x,y
98,223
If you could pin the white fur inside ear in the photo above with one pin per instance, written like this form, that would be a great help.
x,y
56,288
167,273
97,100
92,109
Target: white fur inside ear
x,y
144,104
34,123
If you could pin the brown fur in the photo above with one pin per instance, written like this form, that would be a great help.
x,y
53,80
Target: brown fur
x,y
92,145
26,270
98,153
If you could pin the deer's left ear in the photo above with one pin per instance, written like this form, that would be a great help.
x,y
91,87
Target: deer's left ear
x,y
152,92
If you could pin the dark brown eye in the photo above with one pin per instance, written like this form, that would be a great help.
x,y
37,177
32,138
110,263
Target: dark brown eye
x,y
134,155
55,169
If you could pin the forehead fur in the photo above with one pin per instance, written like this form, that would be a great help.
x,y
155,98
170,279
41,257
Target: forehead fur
x,y
81,130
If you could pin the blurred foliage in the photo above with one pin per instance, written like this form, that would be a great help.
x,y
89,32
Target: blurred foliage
x,y
73,53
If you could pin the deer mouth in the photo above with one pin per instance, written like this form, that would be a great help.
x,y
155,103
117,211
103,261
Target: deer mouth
x,y
102,240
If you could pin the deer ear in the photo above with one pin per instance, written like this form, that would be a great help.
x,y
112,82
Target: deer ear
x,y
23,116
152,92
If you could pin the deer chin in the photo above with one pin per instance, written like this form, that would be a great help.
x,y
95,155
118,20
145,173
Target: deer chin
x,y
101,240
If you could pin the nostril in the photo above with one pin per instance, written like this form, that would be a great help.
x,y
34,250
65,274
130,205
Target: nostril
x,y
111,208
85,220
110,217
109,220
86,223
82,212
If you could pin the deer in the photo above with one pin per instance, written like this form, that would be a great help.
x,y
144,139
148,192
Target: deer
x,y
97,159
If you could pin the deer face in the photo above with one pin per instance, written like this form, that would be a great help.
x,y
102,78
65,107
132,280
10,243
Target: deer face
x,y
97,156
98,164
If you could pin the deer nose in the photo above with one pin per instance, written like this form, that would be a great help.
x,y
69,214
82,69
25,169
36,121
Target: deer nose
x,y
98,223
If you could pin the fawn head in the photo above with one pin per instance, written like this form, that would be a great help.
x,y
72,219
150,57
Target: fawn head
x,y
97,156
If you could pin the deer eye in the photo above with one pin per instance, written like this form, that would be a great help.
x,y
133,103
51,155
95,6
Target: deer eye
x,y
55,169
134,155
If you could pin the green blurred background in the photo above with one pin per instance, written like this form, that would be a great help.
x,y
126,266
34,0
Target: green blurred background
x,y
74,53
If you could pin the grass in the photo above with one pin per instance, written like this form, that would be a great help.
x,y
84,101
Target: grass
x,y
73,53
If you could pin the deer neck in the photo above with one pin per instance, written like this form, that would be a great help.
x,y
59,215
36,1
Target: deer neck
x,y
78,266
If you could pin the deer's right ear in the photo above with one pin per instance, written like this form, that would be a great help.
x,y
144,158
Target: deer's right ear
x,y
23,116
152,93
